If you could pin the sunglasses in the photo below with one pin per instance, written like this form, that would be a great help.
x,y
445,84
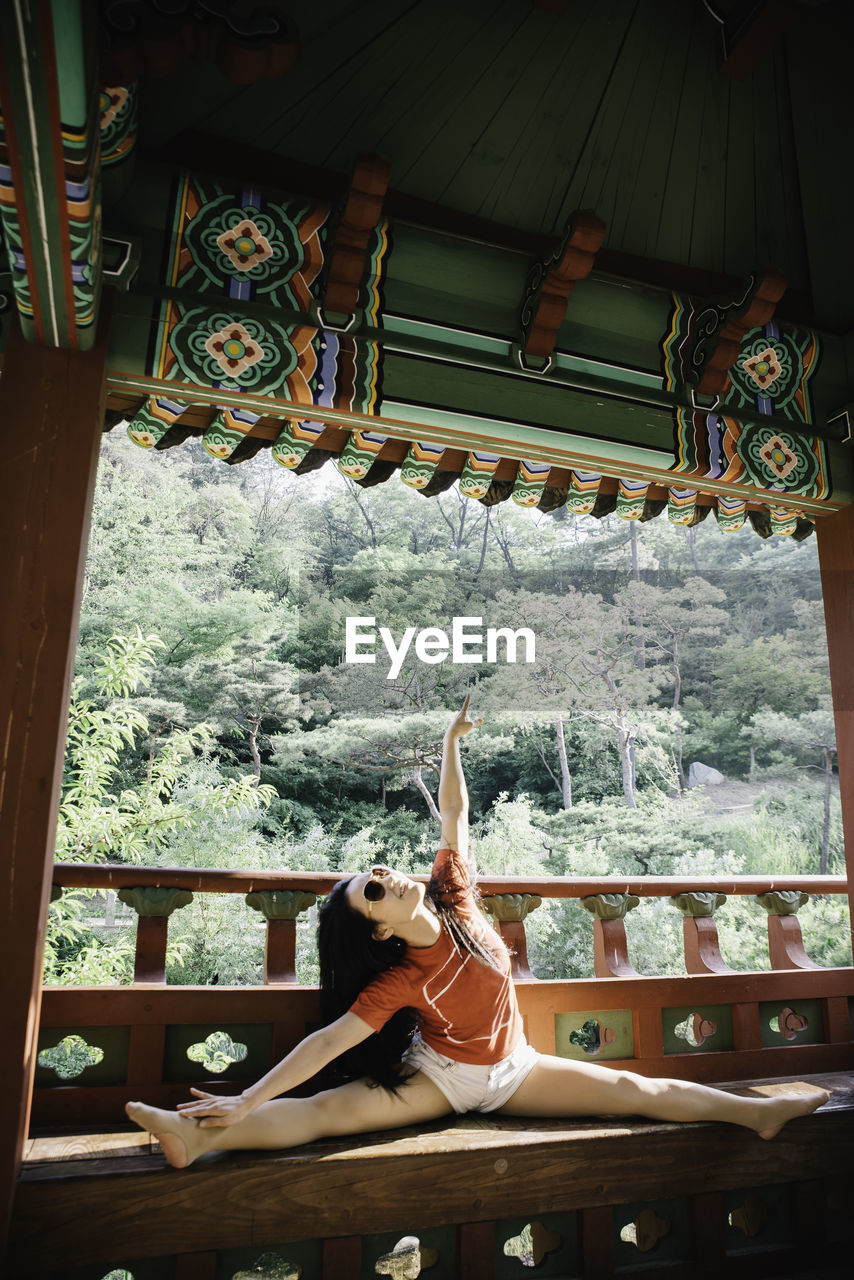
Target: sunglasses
x,y
373,890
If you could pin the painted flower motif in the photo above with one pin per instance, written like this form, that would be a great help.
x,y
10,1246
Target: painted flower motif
x,y
355,470
144,438
288,459
110,103
778,457
764,368
220,450
234,349
244,245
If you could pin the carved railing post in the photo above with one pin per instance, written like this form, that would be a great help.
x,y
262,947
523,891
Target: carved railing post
x,y
153,905
785,940
610,949
509,910
280,908
700,933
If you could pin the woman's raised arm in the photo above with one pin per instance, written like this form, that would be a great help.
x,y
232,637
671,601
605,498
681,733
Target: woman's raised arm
x,y
453,794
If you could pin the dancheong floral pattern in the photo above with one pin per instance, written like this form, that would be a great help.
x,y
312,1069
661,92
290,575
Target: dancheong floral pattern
x,y
275,247
769,377
244,245
764,368
240,247
772,372
234,349
250,354
773,460
778,457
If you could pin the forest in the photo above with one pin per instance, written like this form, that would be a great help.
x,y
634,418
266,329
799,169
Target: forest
x,y
216,720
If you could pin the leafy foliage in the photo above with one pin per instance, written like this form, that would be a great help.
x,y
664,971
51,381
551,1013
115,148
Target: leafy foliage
x,y
105,813
239,737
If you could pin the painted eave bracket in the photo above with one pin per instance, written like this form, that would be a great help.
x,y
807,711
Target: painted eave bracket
x,y
348,260
550,282
716,328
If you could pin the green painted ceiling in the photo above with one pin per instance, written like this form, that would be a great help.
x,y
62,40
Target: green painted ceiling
x,y
499,109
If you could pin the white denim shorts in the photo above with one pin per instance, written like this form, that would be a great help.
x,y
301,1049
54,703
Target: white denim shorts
x,y
469,1087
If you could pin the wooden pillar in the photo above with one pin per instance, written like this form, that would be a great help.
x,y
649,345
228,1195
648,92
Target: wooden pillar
x,y
51,413
836,557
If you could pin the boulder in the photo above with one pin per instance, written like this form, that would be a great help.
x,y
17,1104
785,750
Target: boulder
x,y
703,775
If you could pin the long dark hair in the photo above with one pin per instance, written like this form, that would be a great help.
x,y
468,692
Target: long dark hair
x,y
351,957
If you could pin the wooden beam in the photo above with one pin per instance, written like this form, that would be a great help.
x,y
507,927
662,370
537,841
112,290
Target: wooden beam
x,y
836,559
50,133
195,149
79,875
51,410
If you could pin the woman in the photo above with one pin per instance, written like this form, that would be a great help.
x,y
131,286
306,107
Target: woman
x,y
396,961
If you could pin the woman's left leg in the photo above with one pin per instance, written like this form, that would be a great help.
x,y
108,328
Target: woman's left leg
x,y
563,1087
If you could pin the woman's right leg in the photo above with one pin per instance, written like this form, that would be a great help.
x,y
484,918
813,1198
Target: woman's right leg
x,y
289,1122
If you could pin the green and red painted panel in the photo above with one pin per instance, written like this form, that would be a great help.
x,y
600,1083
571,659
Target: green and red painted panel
x,y
770,376
241,248
50,175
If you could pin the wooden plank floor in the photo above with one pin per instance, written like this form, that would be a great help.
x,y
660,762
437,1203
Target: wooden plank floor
x,y
477,1168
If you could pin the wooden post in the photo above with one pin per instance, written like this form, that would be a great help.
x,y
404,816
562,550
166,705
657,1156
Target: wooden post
x,y
196,1266
280,908
509,911
476,1250
835,536
280,952
597,1241
610,946
700,933
153,905
342,1256
152,935
51,414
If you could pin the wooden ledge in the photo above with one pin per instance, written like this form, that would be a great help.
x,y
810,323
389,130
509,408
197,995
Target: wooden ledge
x,y
81,1192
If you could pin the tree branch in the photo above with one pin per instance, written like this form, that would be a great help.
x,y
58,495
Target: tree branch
x,y
418,781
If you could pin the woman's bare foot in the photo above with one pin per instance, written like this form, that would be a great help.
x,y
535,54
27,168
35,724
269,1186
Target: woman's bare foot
x,y
777,1111
180,1136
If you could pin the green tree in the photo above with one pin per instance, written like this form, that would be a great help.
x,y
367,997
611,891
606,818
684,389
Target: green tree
x,y
585,669
666,619
102,814
810,733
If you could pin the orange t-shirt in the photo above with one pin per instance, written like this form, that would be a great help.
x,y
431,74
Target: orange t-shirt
x,y
467,1010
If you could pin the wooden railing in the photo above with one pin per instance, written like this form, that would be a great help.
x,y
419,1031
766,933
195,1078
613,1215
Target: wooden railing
x,y
712,1023
280,897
